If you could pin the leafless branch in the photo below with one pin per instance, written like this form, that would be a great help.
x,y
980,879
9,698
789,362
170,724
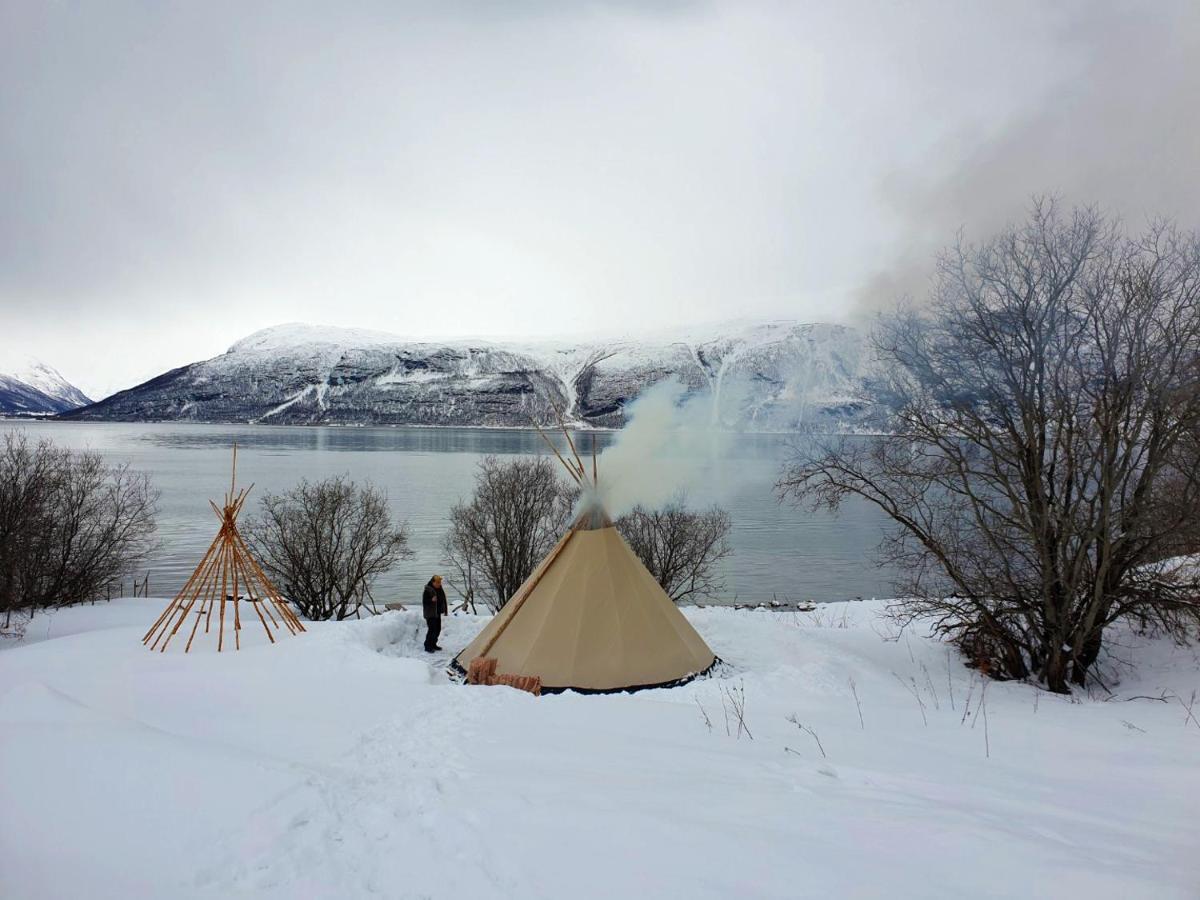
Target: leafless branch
x,y
734,701
858,704
70,525
519,510
1190,717
916,694
325,544
680,546
1042,466
704,712
795,721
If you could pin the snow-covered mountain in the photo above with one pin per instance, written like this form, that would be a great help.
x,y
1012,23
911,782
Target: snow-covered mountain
x,y
34,388
766,375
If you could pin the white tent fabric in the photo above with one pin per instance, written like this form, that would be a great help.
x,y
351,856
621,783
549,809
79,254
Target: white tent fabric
x,y
591,617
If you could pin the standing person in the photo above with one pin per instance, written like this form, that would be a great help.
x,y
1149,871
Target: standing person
x,y
433,605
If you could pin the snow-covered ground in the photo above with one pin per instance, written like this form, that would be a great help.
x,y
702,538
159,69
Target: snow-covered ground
x,y
341,763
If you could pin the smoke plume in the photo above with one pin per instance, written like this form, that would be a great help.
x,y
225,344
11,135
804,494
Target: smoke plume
x,y
1108,128
673,443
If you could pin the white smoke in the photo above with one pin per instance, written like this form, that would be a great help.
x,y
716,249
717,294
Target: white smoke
x,y
1113,133
672,444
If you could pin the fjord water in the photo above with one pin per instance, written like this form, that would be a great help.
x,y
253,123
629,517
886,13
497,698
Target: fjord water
x,y
778,550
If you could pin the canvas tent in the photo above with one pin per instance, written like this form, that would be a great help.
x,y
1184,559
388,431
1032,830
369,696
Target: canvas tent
x,y
592,618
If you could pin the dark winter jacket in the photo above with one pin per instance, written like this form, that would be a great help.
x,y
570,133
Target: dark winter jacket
x,y
433,601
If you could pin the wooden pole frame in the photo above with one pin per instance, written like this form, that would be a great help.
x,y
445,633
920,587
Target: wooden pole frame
x,y
227,565
549,443
562,424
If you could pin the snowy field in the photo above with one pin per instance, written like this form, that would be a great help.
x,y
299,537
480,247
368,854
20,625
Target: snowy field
x,y
341,763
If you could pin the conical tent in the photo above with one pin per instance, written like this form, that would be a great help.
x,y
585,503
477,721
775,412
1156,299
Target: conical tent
x,y
592,618
227,577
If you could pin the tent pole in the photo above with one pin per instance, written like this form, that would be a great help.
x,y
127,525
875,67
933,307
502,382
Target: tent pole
x,y
570,470
196,574
562,424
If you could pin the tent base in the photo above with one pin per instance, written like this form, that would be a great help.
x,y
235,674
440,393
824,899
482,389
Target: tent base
x,y
461,673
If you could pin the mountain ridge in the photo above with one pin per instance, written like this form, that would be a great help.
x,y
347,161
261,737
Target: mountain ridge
x,y
770,375
35,388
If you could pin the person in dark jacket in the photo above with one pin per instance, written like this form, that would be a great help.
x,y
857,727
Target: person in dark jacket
x,y
433,605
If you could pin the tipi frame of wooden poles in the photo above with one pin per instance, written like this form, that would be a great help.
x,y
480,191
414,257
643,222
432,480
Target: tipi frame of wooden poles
x,y
226,571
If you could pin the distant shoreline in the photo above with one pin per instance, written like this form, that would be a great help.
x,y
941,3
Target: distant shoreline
x,y
574,426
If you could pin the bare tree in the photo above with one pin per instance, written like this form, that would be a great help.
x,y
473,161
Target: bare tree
x,y
69,525
519,510
1170,504
325,544
1039,402
681,547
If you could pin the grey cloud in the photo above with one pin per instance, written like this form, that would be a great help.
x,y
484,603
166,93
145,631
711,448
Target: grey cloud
x,y
177,175
1114,127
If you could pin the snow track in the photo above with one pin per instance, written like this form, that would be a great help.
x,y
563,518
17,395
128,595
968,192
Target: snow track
x,y
379,822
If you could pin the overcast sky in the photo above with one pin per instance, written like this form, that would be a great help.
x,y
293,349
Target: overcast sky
x,y
175,176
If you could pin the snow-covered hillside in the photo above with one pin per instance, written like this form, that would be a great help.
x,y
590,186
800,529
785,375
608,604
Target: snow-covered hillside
x,y
32,387
342,763
767,375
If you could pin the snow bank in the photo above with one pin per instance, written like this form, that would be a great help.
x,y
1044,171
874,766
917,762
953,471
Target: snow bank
x,y
344,763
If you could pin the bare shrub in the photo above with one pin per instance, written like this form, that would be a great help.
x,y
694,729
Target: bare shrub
x,y
1043,401
1191,716
324,544
681,547
519,510
810,731
857,704
911,687
733,702
704,713
70,524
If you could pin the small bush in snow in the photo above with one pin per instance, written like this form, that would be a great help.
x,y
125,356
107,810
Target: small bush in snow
x,y
69,525
518,512
324,544
681,547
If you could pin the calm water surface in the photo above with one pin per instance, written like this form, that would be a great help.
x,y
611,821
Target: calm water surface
x,y
778,550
